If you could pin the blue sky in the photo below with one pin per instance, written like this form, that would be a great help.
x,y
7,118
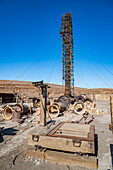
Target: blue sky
x,y
31,46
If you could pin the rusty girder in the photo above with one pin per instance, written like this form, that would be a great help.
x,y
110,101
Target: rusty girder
x,y
67,53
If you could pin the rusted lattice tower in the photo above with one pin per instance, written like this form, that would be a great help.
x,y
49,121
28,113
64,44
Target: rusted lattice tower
x,y
67,53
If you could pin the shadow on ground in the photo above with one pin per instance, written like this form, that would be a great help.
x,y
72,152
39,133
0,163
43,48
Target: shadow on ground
x,y
111,150
9,131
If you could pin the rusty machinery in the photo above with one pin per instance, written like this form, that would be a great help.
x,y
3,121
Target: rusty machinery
x,y
67,69
15,111
67,53
67,72
43,99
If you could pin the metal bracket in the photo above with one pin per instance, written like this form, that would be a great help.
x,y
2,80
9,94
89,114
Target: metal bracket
x,y
91,145
35,138
76,143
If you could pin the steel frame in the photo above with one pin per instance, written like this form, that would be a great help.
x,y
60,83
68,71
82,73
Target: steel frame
x,y
67,53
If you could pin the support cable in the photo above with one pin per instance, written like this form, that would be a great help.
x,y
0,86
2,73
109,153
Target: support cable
x,y
95,73
39,66
95,58
97,67
81,79
34,62
82,75
53,68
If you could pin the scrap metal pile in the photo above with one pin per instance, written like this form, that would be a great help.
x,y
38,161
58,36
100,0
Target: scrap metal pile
x,y
80,105
15,111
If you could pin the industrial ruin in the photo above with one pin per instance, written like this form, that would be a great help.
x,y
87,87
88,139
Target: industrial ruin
x,y
69,125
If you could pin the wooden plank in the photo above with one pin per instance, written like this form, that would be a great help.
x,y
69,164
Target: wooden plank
x,y
37,154
37,130
89,138
74,126
77,134
72,132
46,131
43,130
56,128
64,158
63,144
42,111
76,131
69,131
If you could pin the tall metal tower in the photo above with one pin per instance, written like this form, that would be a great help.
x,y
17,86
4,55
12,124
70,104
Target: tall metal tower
x,y
67,53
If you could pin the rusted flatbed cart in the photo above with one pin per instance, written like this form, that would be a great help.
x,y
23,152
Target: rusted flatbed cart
x,y
65,140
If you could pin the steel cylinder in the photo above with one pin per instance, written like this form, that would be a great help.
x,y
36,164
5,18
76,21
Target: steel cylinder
x,y
7,113
10,112
79,98
25,109
79,108
16,116
66,99
55,109
22,109
82,98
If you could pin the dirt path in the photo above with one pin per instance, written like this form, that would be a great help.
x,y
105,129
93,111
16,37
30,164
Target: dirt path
x,y
12,149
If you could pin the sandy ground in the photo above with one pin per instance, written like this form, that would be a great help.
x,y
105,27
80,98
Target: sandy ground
x,y
14,144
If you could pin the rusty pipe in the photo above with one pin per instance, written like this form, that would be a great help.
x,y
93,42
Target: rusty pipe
x,y
79,108
8,111
89,120
25,109
55,109
82,98
66,100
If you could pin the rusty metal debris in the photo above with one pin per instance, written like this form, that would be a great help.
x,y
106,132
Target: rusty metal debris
x,y
89,120
80,105
15,111
43,101
7,113
79,108
82,98
55,109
